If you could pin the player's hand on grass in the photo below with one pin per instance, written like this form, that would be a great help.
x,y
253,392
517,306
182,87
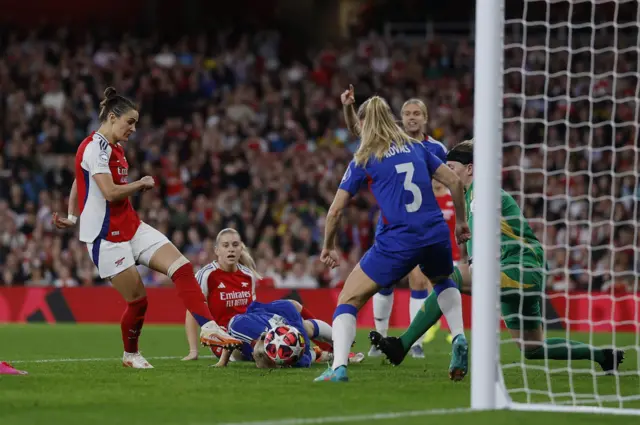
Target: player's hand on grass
x,y
330,258
225,356
348,97
193,355
62,222
463,234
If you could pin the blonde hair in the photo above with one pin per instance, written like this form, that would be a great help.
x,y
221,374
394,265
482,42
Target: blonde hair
x,y
466,147
421,105
245,256
378,131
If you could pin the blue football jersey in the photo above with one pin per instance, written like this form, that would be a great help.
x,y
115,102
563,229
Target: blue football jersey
x,y
260,318
436,148
401,184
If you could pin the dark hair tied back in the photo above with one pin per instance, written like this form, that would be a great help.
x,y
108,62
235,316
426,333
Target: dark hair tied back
x,y
114,103
110,93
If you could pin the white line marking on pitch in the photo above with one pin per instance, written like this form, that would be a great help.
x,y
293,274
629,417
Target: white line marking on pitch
x,y
106,359
355,418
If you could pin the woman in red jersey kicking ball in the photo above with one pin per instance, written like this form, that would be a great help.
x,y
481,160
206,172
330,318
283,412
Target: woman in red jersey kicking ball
x,y
116,238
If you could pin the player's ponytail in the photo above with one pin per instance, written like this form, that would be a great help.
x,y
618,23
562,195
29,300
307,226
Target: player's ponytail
x,y
115,104
379,131
247,260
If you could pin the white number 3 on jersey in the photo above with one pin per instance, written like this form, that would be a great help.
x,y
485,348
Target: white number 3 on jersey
x,y
409,185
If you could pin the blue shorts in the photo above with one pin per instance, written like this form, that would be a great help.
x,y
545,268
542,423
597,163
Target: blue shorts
x,y
386,268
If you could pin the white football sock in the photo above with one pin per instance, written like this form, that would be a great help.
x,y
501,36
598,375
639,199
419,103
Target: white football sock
x,y
450,302
324,330
415,304
382,306
344,333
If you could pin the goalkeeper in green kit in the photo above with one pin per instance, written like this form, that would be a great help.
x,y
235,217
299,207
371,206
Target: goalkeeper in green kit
x,y
522,282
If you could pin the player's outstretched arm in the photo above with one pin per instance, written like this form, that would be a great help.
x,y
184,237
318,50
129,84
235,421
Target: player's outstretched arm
x,y
447,177
224,358
73,200
329,256
72,215
191,329
351,118
113,192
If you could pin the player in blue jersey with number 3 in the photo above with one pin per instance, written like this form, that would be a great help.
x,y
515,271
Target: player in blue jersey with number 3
x,y
412,231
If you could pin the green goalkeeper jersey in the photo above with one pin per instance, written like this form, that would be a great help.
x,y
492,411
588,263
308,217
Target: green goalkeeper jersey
x,y
518,243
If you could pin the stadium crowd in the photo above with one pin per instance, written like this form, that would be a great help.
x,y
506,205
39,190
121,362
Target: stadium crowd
x,y
238,135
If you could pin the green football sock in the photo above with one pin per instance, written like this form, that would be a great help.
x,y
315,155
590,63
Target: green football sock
x,y
562,349
456,276
427,316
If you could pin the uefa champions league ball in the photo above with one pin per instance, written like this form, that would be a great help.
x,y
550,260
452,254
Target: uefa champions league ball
x,y
284,345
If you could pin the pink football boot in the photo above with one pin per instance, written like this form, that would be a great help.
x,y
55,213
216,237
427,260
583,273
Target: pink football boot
x,y
7,369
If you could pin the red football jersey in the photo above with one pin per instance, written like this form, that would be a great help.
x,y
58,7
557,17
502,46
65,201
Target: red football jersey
x,y
448,211
227,293
114,221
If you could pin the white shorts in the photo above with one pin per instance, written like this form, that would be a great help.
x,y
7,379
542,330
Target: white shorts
x,y
112,258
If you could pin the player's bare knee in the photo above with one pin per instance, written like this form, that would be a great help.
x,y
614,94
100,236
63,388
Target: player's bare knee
x,y
308,327
181,261
297,305
129,284
418,281
418,284
137,295
354,299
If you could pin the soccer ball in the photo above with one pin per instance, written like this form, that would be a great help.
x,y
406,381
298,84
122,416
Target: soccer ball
x,y
284,345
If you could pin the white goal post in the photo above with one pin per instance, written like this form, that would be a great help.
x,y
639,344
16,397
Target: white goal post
x,y
580,57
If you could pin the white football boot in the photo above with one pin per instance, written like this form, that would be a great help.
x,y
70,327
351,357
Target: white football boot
x,y
135,361
212,334
374,352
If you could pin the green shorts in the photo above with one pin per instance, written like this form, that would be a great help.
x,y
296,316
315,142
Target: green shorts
x,y
521,292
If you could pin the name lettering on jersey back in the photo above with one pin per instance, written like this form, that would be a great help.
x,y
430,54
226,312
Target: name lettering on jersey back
x,y
394,150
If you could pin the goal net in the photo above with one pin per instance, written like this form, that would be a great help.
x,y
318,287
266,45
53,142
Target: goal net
x,y
569,114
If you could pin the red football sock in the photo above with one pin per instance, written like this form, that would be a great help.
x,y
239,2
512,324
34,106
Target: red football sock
x,y
191,294
131,324
306,314
324,346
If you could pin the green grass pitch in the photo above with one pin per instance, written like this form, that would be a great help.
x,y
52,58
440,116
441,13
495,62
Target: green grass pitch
x,y
98,390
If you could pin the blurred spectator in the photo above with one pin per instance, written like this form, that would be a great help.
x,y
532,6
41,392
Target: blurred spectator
x,y
238,136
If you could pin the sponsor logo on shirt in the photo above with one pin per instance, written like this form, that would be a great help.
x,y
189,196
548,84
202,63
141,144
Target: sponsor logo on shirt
x,y
224,296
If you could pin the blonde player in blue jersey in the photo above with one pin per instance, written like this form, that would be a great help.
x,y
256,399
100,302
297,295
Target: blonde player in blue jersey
x,y
412,231
414,122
